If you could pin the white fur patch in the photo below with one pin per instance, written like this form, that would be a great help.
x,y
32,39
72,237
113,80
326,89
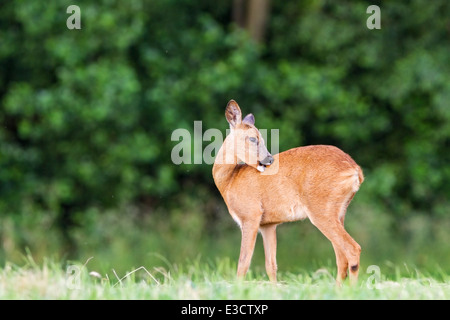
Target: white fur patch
x,y
236,219
356,183
298,211
352,178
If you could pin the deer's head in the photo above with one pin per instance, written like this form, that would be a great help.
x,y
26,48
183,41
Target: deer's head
x,y
246,140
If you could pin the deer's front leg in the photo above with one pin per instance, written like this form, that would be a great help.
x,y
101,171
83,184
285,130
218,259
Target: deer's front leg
x,y
249,232
269,234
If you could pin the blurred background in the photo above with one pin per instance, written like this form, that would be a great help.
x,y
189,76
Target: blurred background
x,y
86,118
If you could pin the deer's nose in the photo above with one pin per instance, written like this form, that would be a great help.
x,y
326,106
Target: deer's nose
x,y
267,160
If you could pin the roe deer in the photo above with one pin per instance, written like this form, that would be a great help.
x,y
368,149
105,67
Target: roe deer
x,y
316,181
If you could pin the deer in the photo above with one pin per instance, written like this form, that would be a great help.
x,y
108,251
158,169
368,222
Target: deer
x,y
262,191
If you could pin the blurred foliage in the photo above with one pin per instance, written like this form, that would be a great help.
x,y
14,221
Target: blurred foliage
x,y
86,115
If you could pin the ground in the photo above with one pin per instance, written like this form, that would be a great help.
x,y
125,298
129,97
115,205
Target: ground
x,y
206,281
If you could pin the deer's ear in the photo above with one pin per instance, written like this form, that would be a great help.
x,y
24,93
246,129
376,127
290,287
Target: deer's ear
x,y
249,119
233,113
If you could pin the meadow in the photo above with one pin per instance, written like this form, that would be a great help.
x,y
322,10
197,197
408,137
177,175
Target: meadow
x,y
199,280
185,258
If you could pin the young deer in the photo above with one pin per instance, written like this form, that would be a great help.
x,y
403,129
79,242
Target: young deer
x,y
316,181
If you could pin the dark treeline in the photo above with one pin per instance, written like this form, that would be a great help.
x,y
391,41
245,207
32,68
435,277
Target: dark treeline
x,y
87,115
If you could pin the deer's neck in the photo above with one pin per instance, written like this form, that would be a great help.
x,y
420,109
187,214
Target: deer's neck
x,y
225,165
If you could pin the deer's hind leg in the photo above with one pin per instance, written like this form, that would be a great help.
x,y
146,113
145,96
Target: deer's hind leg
x,y
329,219
346,248
342,265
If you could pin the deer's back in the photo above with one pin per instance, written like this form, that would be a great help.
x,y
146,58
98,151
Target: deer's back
x,y
299,180
307,179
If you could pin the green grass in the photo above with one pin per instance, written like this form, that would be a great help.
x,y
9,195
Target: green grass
x,y
200,280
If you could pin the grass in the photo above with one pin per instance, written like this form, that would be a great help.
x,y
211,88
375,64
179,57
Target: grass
x,y
200,280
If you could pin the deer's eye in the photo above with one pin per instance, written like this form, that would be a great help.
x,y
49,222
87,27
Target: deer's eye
x,y
252,139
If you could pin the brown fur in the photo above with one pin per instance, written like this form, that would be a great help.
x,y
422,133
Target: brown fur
x,y
315,182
